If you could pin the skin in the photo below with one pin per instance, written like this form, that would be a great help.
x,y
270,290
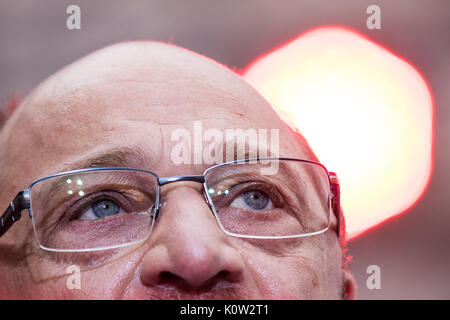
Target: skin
x,y
135,95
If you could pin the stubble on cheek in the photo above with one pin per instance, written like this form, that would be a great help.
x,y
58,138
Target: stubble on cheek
x,y
307,268
54,275
280,276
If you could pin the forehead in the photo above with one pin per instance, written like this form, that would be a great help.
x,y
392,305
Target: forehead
x,y
129,95
124,76
147,82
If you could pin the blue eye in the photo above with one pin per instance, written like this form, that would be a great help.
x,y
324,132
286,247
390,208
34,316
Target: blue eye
x,y
256,200
105,207
253,200
101,209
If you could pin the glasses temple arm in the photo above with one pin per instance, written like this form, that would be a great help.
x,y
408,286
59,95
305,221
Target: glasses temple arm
x,y
13,212
335,201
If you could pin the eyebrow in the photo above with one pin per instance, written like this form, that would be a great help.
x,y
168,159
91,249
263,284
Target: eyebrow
x,y
242,151
116,157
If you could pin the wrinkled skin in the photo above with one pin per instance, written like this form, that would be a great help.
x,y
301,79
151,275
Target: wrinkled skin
x,y
134,95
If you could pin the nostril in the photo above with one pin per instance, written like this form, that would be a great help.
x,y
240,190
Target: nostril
x,y
171,279
166,276
223,275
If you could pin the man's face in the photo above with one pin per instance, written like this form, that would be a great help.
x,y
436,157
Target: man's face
x,y
134,96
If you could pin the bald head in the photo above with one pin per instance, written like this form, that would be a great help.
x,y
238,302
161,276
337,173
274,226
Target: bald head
x,y
133,97
153,74
133,82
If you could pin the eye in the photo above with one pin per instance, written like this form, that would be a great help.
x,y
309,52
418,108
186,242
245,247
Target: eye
x,y
100,209
253,200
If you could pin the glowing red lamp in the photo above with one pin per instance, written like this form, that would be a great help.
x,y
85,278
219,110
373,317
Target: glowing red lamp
x,y
367,114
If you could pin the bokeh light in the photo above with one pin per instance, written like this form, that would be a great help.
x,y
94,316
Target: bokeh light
x,y
367,114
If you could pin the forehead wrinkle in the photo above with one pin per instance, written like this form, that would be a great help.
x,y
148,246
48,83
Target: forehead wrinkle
x,y
128,63
111,97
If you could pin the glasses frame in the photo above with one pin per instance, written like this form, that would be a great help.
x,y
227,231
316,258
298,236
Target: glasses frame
x,y
22,200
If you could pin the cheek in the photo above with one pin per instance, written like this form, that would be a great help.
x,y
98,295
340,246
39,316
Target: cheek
x,y
313,271
330,276
288,277
65,277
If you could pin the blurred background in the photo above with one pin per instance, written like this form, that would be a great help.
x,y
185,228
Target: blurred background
x,y
413,249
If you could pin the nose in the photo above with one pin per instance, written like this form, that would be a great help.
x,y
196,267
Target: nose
x,y
188,250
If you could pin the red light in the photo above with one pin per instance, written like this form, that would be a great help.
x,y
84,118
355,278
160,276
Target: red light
x,y
367,114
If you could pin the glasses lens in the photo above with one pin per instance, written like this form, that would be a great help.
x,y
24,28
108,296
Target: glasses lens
x,y
93,209
270,198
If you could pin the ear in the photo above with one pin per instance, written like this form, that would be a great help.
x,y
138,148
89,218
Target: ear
x,y
7,109
349,286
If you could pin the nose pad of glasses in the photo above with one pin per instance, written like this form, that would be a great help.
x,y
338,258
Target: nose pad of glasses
x,y
154,212
208,202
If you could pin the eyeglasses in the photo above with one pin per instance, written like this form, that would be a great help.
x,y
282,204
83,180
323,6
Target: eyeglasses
x,y
112,207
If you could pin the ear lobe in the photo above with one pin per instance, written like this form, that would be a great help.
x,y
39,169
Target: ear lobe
x,y
349,286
